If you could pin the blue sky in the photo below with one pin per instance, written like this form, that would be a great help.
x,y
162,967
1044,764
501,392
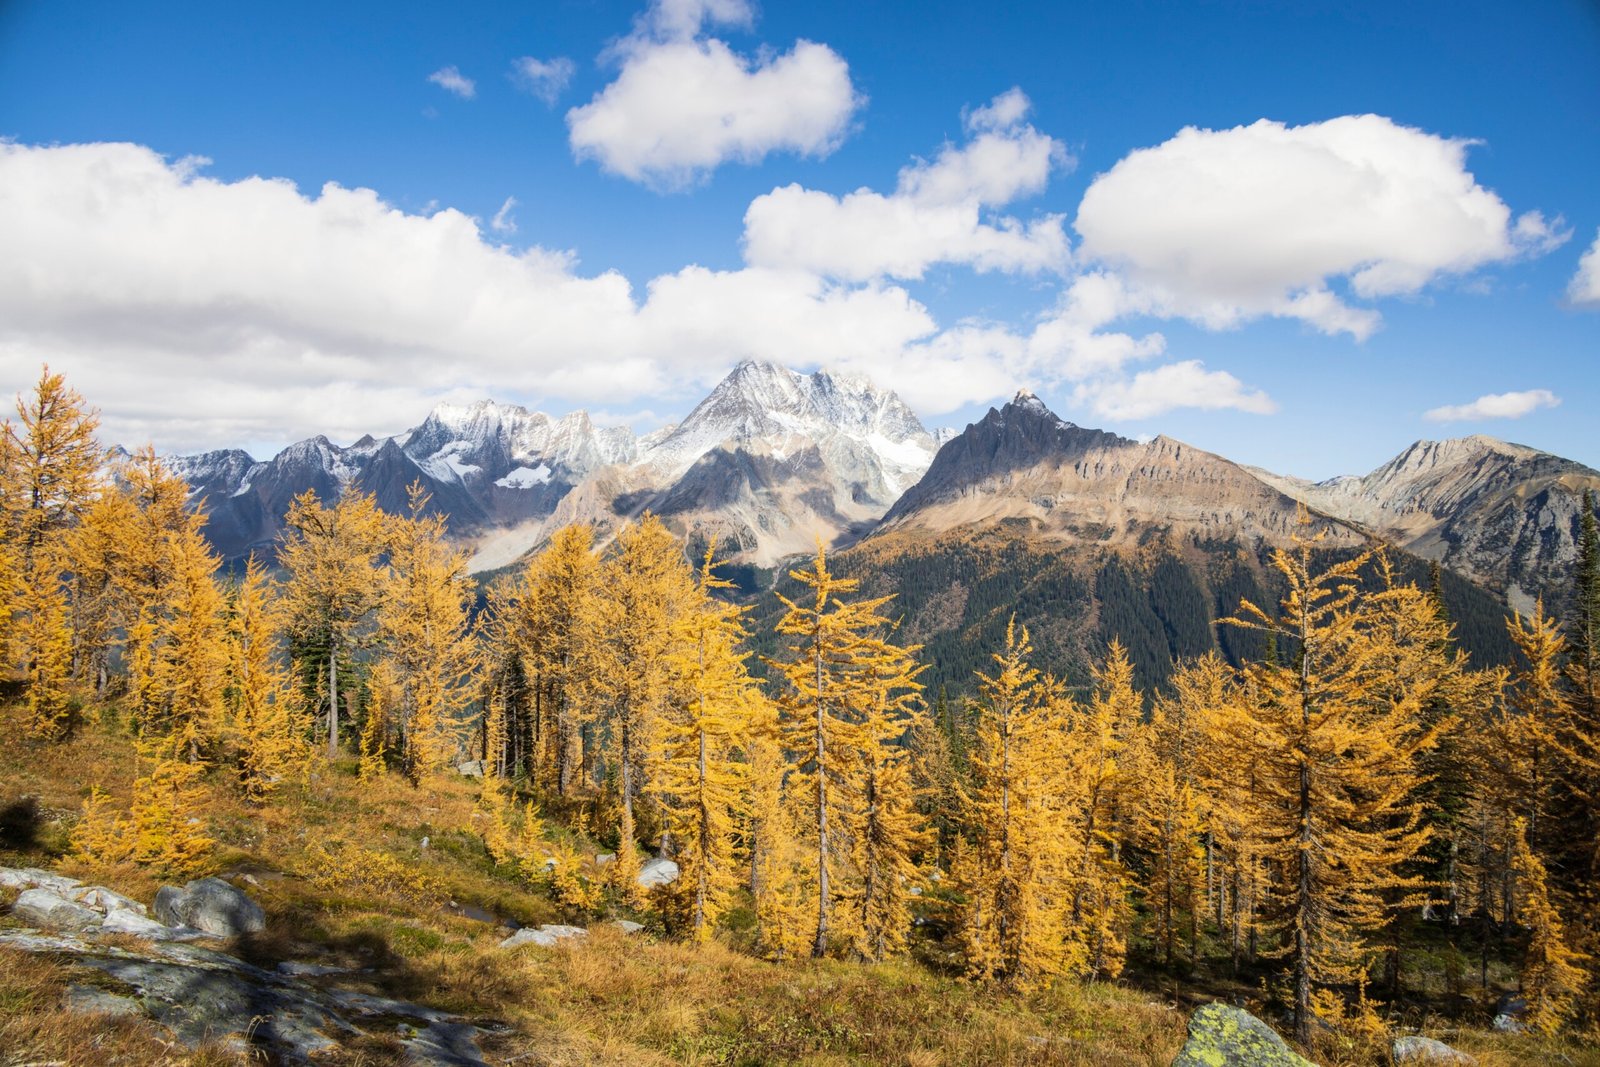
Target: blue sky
x,y
1298,294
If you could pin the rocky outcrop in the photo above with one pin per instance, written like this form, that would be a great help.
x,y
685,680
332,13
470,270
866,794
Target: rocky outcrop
x,y
201,995
1428,1052
49,910
1223,1036
546,936
657,872
211,905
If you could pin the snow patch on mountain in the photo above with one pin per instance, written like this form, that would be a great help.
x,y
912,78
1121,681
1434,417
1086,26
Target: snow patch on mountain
x,y
525,478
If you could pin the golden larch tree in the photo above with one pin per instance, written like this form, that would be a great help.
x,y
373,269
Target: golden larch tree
x,y
1014,876
331,558
1338,757
703,781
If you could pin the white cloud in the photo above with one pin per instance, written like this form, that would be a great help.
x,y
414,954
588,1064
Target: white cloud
x,y
204,313
683,104
1176,385
1222,226
1495,406
544,78
503,222
1585,285
453,81
935,215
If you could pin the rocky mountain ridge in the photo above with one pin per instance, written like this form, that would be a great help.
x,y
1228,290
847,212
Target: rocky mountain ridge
x,y
773,460
1502,514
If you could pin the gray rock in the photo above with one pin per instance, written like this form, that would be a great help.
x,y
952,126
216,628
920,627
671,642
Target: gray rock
x,y
628,926
127,922
1427,1051
50,910
1509,1024
1510,1015
1223,1036
442,1044
545,936
604,858
91,1001
212,905
470,769
105,901
295,969
34,878
658,872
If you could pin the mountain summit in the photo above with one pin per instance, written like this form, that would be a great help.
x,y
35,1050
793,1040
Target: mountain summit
x,y
1025,466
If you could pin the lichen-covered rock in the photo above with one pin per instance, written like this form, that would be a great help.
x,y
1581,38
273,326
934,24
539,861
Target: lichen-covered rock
x,y
627,926
658,872
1223,1036
1428,1052
49,910
212,905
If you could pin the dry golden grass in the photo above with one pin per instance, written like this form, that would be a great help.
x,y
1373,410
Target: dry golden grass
x,y
608,999
36,1027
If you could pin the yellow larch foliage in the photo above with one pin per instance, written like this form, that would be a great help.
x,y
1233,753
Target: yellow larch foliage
x,y
1100,750
423,626
647,589
153,514
49,477
1552,975
778,861
887,831
266,721
96,550
191,673
1338,754
376,743
827,674
1170,805
701,779
1536,713
1015,874
1227,769
161,830
330,556
549,618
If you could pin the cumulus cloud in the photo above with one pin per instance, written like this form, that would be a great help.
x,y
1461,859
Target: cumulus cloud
x,y
544,78
1222,226
935,215
684,103
503,221
204,313
453,81
1495,406
1585,285
1186,384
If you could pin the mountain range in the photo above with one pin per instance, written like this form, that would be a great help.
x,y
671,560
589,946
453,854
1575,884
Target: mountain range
x,y
773,460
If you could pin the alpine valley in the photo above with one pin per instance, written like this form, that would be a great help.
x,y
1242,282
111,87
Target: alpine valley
x,y
1083,534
